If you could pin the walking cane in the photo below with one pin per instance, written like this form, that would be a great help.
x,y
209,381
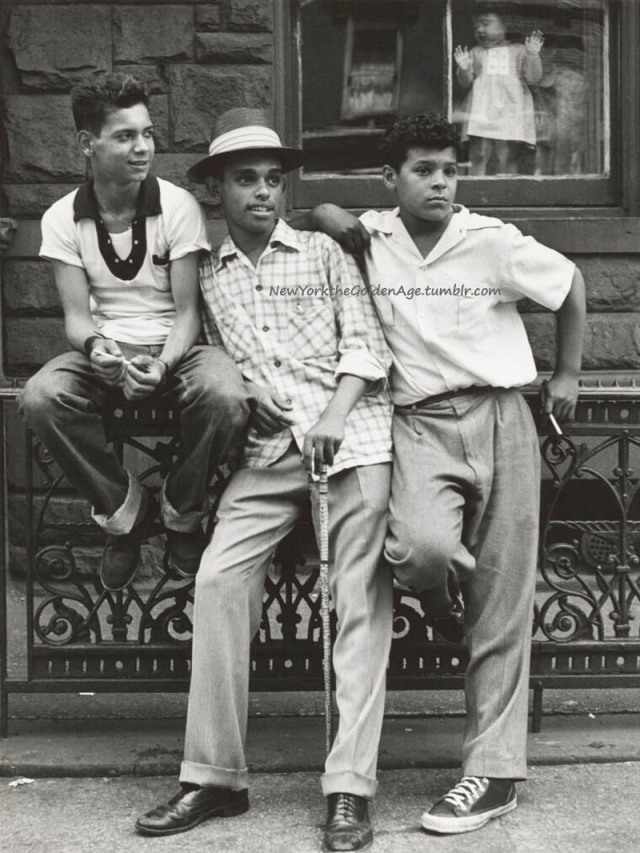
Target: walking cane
x,y
323,511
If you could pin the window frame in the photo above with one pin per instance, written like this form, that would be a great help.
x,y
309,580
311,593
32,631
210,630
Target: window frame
x,y
611,204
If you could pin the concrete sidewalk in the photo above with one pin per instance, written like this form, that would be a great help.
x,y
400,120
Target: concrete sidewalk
x,y
112,735
566,809
292,744
582,795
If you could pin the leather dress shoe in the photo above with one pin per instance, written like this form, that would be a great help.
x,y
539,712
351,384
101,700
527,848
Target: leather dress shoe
x,y
122,553
185,550
448,625
348,825
190,807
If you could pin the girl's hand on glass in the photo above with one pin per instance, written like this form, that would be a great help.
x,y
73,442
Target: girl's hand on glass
x,y
533,43
462,56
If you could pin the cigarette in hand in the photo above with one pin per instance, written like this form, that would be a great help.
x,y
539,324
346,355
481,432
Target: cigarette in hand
x,y
109,356
554,424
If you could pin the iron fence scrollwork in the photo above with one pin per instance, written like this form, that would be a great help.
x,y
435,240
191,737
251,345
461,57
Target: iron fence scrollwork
x,y
83,637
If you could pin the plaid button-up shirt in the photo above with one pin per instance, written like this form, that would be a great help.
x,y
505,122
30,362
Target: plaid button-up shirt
x,y
296,323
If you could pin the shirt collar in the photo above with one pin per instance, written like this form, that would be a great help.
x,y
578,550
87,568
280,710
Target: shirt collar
x,y
282,235
85,205
460,215
454,232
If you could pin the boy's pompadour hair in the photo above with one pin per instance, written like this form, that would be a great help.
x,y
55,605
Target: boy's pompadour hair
x,y
92,100
430,130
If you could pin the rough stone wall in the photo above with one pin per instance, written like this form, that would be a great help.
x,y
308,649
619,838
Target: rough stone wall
x,y
612,340
199,59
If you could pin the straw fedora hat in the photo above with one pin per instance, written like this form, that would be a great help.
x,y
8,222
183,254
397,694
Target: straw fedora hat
x,y
244,129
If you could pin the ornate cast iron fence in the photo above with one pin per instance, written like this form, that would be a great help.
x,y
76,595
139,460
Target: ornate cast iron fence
x,y
81,637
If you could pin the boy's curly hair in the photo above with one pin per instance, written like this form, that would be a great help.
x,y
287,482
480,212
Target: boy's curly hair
x,y
430,130
92,100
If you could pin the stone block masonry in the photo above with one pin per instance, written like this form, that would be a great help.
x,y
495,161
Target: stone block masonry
x,y
198,57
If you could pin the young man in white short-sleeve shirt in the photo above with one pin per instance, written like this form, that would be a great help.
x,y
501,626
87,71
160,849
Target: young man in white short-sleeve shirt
x,y
125,248
463,519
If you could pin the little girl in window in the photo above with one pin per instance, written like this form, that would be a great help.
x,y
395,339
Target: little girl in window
x,y
499,112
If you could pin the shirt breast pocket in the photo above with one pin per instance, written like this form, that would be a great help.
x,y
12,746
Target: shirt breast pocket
x,y
160,271
459,307
311,328
473,321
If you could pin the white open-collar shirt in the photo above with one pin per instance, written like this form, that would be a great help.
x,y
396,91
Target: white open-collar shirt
x,y
450,319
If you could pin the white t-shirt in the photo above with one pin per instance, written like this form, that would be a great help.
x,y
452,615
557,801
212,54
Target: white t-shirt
x,y
450,319
128,273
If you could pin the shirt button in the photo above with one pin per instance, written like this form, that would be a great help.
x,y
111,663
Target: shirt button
x,y
258,287
265,328
277,363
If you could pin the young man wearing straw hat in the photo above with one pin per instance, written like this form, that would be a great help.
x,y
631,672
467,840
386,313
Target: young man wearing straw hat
x,y
124,248
291,310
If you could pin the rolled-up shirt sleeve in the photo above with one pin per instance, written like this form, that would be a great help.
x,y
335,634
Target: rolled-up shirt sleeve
x,y
362,349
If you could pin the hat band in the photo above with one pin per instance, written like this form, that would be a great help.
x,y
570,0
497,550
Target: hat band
x,y
243,138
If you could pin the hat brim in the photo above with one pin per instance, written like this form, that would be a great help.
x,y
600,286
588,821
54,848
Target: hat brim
x,y
291,158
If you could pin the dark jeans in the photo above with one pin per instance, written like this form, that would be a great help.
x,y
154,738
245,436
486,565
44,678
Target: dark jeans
x,y
64,403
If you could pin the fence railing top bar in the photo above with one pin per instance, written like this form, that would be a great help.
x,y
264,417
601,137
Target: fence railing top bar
x,y
9,393
604,388
609,388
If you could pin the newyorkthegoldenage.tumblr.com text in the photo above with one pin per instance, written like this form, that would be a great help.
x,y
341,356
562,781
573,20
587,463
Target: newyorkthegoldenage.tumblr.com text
x,y
427,290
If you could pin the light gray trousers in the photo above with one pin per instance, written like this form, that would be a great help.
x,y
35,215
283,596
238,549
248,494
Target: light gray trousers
x,y
259,507
465,500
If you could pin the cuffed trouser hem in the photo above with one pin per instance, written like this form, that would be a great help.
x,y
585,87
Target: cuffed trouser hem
x,y
348,782
493,769
122,520
184,522
204,774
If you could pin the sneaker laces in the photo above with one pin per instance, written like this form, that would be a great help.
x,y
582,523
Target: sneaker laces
x,y
468,791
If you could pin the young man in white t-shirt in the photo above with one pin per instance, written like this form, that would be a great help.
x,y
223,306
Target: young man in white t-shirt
x,y
124,248
464,509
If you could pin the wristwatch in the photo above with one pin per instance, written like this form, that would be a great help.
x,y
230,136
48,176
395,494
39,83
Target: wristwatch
x,y
87,346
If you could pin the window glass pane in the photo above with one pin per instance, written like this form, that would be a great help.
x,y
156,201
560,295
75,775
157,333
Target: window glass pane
x,y
526,104
364,63
530,88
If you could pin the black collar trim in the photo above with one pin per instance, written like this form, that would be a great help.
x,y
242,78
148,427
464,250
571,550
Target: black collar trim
x,y
85,206
129,267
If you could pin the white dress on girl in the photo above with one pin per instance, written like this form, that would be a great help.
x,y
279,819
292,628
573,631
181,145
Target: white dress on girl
x,y
500,105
